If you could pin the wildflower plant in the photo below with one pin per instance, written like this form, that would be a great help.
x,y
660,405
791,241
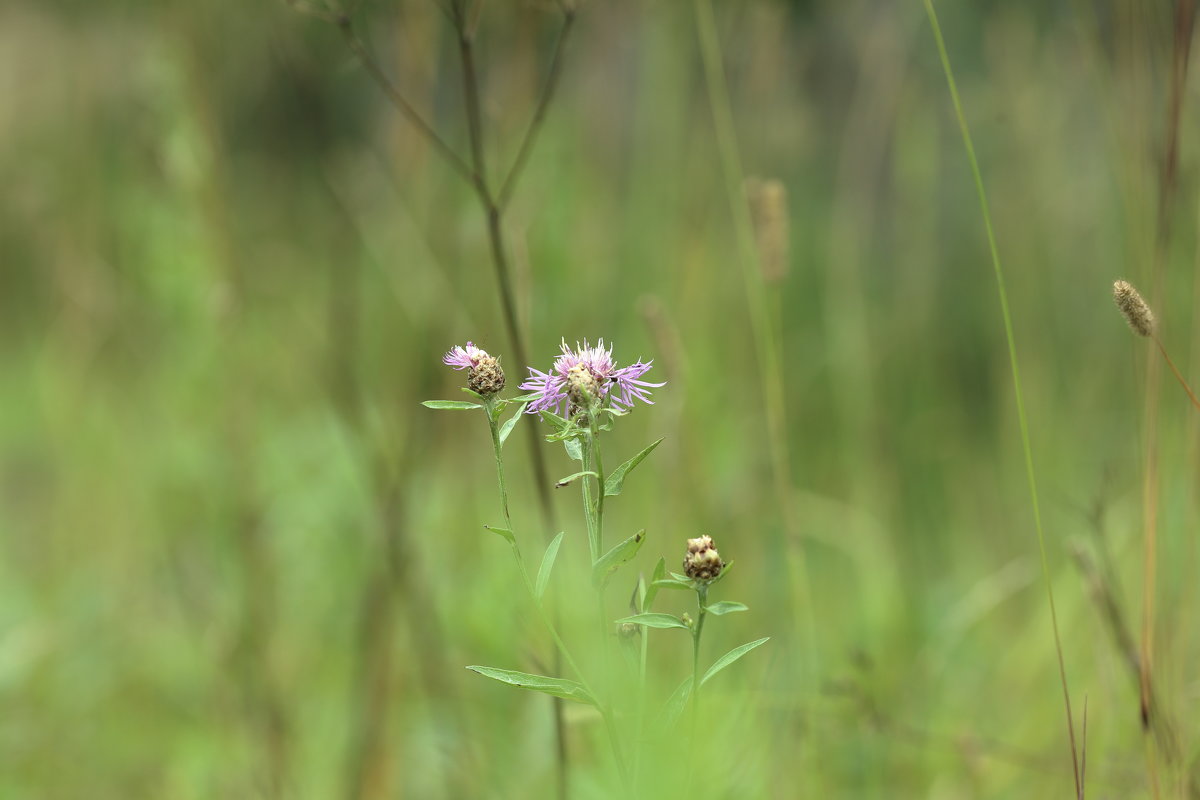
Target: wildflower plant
x,y
580,397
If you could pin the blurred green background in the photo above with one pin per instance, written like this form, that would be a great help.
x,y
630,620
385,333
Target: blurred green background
x,y
240,559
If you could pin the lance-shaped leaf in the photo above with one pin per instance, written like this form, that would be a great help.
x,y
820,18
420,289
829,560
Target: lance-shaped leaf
x,y
725,607
574,449
554,419
572,478
456,404
650,591
672,583
547,565
504,532
614,558
511,423
616,481
559,687
651,620
677,702
730,657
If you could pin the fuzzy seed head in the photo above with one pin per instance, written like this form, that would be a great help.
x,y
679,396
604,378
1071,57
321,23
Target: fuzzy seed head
x,y
703,562
769,213
486,377
1137,313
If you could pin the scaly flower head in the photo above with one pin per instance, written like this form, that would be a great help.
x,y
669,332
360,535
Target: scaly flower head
x,y
587,370
484,375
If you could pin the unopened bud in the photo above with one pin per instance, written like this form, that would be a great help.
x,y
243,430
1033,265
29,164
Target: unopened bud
x,y
582,387
703,562
485,376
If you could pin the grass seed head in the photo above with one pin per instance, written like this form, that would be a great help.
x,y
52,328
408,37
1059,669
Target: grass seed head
x,y
1137,313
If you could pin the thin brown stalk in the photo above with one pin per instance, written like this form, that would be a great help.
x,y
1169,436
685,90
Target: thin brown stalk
x,y
1168,181
465,22
1178,376
539,114
398,100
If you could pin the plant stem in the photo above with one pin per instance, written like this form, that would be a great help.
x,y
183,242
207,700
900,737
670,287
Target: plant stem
x,y
697,632
489,408
602,706
1016,375
599,464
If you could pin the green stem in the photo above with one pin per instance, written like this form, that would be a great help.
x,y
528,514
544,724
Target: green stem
x,y
1016,374
599,462
589,506
602,707
697,632
489,408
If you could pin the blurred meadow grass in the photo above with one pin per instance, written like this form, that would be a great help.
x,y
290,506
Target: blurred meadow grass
x,y
240,560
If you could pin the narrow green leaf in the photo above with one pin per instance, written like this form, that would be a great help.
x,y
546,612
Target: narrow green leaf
x,y
571,478
511,423
637,602
505,532
457,404
473,393
616,481
525,398
725,607
671,583
614,558
730,657
651,592
677,702
547,564
554,419
559,687
655,621
574,449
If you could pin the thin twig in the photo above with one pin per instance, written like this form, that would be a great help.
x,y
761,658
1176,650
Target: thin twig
x,y
402,105
539,114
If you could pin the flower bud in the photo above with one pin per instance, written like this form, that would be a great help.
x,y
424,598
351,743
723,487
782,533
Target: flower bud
x,y
703,562
485,376
582,387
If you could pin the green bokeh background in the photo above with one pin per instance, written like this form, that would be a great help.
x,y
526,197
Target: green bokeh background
x,y
239,559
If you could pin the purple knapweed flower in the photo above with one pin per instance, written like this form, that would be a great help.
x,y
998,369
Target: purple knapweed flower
x,y
484,375
464,357
621,385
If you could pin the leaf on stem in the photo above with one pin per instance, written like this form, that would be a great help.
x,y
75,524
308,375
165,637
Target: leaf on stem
x,y
457,404
651,590
504,532
677,702
574,449
614,558
543,576
559,687
656,621
554,419
511,423
730,657
572,478
725,607
616,481
671,583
